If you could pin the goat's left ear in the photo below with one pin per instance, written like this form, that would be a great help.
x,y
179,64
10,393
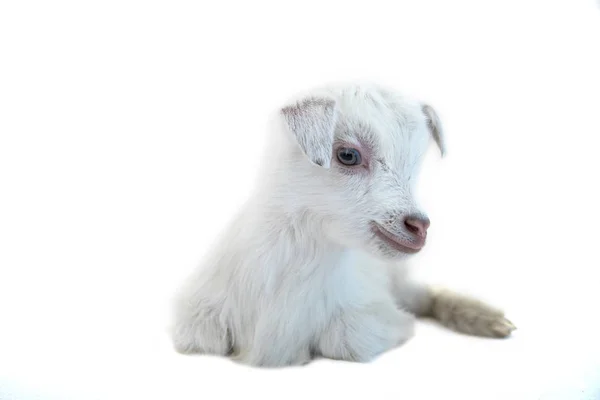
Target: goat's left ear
x,y
435,127
312,121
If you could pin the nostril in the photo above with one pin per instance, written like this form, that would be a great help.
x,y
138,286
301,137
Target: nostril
x,y
417,225
411,227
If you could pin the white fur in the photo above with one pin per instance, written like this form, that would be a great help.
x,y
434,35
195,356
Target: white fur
x,y
299,272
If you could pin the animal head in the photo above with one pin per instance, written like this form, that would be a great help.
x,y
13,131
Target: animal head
x,y
352,159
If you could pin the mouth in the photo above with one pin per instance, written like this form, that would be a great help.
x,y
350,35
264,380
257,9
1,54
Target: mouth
x,y
411,245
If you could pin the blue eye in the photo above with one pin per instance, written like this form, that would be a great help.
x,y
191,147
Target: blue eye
x,y
349,156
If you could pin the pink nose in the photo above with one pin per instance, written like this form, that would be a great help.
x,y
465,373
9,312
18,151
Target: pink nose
x,y
417,224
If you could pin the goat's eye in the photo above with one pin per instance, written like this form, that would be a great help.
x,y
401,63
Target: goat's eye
x,y
349,156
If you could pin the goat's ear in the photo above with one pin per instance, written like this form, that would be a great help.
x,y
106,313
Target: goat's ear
x,y
312,121
435,127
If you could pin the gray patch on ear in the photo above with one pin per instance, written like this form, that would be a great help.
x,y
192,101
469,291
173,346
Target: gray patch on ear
x,y
312,121
435,127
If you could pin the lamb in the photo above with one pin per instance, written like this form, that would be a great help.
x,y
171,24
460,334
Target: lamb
x,y
314,264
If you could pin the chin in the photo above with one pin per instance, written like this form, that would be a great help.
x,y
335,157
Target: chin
x,y
390,253
388,250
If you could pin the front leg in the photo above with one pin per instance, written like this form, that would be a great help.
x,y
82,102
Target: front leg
x,y
468,315
455,311
362,333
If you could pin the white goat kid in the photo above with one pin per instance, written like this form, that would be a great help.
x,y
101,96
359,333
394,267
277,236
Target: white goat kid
x,y
313,263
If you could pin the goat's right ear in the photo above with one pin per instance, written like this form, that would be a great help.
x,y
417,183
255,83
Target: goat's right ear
x,y
312,121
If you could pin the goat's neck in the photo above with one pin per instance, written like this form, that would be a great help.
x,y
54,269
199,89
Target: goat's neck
x,y
298,231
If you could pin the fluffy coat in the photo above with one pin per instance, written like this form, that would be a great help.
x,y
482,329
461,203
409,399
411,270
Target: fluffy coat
x,y
304,270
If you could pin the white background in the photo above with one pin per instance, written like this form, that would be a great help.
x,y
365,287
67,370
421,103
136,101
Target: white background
x,y
130,132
